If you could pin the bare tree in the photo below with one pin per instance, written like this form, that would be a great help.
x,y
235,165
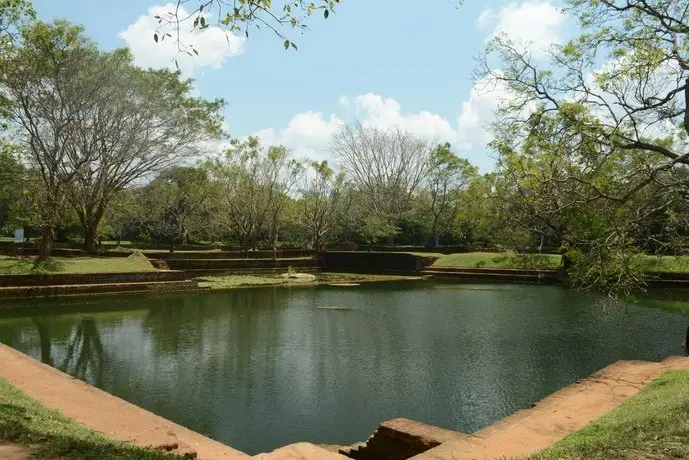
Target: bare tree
x,y
387,166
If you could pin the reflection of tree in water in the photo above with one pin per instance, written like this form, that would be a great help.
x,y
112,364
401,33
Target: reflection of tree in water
x,y
84,352
44,340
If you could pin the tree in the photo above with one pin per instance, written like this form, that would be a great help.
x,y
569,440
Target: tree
x,y
12,177
143,121
608,111
387,166
121,214
448,175
238,17
320,191
255,184
177,205
13,15
47,83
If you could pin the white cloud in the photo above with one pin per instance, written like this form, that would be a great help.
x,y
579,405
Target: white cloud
x,y
537,23
214,45
485,18
477,112
308,134
372,110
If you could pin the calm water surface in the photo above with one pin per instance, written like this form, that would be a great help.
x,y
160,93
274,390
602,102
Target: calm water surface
x,y
261,368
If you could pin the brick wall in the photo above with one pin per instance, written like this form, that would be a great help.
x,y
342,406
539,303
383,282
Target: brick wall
x,y
89,278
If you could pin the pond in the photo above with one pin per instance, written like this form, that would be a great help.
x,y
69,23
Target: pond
x,y
261,368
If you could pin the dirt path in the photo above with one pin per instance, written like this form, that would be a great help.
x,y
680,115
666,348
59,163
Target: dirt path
x,y
11,451
570,409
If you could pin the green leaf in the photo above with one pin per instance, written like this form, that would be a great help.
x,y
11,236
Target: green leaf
x,y
155,38
286,44
293,45
326,13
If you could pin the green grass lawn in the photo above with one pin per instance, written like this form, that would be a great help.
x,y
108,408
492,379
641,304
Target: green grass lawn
x,y
652,425
675,264
51,435
499,260
27,265
649,263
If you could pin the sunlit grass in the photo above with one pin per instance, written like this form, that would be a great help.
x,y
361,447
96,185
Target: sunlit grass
x,y
499,260
653,424
28,265
49,434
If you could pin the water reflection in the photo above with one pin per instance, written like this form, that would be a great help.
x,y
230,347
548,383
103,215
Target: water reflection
x,y
262,368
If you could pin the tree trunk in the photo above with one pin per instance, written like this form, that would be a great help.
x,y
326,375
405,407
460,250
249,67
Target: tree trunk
x,y
48,236
90,218
90,239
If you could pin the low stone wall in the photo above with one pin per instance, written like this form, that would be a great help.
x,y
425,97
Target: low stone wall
x,y
497,275
374,262
281,254
668,279
234,264
89,278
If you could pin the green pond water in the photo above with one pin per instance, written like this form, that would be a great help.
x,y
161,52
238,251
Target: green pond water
x,y
261,368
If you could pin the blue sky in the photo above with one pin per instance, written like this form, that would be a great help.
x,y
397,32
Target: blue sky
x,y
385,62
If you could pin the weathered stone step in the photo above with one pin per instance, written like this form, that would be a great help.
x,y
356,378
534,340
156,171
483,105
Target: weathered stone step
x,y
246,271
58,279
14,292
504,271
550,278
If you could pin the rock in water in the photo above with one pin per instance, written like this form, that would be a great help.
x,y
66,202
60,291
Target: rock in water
x,y
299,276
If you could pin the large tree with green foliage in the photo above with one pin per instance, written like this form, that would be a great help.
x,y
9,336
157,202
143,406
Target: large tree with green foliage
x,y
48,80
142,122
92,123
12,181
255,184
320,191
178,205
447,176
588,133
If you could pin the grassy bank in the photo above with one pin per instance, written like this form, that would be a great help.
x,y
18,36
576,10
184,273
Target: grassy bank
x,y
653,424
499,260
51,435
235,281
675,264
28,265
649,263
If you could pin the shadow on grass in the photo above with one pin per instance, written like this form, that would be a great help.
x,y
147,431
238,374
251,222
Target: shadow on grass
x,y
51,435
29,266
